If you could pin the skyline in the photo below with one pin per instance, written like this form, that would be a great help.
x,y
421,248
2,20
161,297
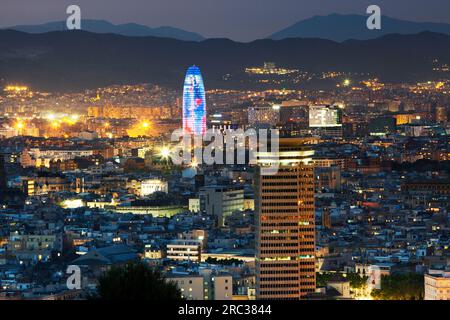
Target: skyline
x,y
251,20
150,164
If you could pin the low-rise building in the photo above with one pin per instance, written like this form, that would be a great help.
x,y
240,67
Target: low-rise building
x,y
204,286
437,286
180,249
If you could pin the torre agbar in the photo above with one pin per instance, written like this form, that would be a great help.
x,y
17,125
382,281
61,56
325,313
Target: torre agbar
x,y
194,103
285,224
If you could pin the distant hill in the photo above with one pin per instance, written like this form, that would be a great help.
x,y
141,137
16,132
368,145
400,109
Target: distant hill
x,y
68,61
340,27
101,26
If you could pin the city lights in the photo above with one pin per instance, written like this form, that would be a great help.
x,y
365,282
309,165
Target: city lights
x,y
51,116
72,204
141,128
55,124
15,88
19,125
164,152
291,167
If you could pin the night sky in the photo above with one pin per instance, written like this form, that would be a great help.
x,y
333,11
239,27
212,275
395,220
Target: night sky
x,y
241,20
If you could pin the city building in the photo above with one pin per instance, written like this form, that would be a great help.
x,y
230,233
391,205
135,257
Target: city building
x,y
328,162
328,178
326,120
382,126
191,286
324,116
194,103
294,111
326,218
203,285
153,252
285,224
221,201
181,249
194,205
437,286
435,186
263,115
9,197
147,187
33,248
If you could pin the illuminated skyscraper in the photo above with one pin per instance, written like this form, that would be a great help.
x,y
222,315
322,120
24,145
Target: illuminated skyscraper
x,y
285,224
194,103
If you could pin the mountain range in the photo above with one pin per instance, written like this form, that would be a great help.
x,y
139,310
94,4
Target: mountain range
x,y
340,27
336,27
102,26
69,61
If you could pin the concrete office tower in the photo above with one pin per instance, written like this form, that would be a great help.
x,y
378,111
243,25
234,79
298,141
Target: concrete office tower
x,y
285,224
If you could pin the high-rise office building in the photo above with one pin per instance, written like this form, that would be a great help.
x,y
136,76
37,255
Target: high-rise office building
x,y
194,103
285,224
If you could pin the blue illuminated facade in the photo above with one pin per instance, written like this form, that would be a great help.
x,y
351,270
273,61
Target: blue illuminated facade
x,y
194,103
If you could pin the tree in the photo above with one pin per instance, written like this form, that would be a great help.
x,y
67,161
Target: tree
x,y
357,281
136,281
400,287
322,279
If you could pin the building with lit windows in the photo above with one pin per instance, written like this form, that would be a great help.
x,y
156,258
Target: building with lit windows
x,y
285,224
203,285
194,103
263,115
326,120
145,187
325,116
437,285
184,250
